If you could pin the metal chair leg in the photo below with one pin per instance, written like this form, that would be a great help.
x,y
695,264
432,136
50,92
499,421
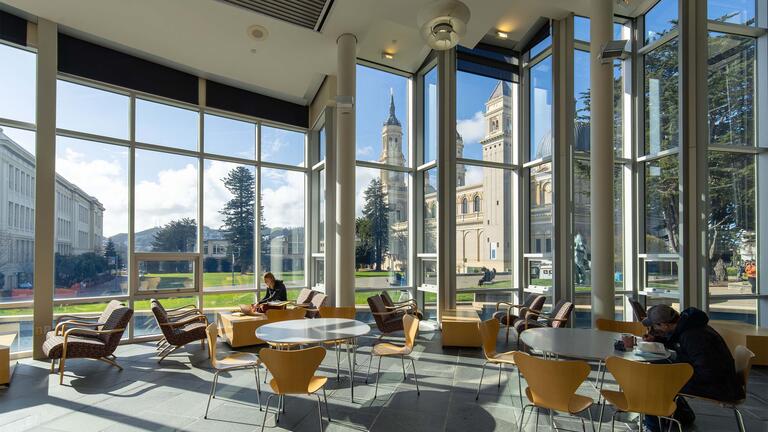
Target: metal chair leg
x,y
500,368
402,360
378,372
319,412
266,413
258,385
327,411
480,384
415,378
520,386
522,418
212,394
739,420
552,421
367,374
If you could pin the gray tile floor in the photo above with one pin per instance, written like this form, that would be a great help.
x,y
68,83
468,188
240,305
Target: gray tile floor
x,y
172,396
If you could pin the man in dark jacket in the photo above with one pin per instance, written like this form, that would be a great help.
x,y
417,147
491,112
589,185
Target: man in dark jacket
x,y
698,344
275,289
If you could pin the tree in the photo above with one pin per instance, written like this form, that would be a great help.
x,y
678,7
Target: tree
x,y
111,252
239,216
376,211
176,236
364,248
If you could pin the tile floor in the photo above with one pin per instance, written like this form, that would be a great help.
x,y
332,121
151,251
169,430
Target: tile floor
x,y
172,396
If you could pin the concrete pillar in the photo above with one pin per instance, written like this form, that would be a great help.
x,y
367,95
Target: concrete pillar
x,y
446,163
45,184
345,170
601,162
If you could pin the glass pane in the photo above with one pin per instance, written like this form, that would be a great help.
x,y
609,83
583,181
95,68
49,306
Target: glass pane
x,y
732,224
17,216
17,321
744,310
229,137
661,98
541,46
166,275
541,96
732,11
483,119
91,219
90,110
540,273
581,28
321,213
541,218
18,84
323,139
660,20
430,115
662,194
282,146
381,212
144,321
731,81
382,117
662,284
166,125
582,228
282,225
618,108
429,193
429,272
581,89
229,215
484,247
618,226
166,202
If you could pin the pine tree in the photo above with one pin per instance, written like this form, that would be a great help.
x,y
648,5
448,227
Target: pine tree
x,y
239,218
176,236
376,211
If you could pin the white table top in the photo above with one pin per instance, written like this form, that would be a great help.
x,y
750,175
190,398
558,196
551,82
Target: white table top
x,y
311,331
588,344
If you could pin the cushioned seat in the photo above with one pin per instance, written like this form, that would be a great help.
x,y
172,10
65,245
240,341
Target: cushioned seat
x,y
177,333
77,347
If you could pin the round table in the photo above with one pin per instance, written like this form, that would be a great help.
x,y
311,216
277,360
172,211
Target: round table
x,y
316,331
587,344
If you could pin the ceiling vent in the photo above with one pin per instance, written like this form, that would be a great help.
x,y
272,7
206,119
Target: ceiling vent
x,y
309,14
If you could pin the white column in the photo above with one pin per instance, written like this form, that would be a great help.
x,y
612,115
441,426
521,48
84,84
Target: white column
x,y
601,162
345,171
45,183
330,205
446,163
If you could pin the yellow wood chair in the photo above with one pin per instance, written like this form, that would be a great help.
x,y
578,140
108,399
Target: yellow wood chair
x,y
294,374
384,349
552,385
743,362
632,327
277,315
346,312
489,331
232,362
646,389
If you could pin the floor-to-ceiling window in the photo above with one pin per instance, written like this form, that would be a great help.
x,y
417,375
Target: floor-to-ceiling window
x,y
17,192
383,179
732,227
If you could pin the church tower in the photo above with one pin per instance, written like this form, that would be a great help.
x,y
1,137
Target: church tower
x,y
393,182
461,170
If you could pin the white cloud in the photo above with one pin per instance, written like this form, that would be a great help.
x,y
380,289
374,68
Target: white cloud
x,y
365,151
171,196
215,193
474,175
472,130
283,198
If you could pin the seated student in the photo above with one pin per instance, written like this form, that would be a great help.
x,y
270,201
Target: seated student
x,y
696,343
275,292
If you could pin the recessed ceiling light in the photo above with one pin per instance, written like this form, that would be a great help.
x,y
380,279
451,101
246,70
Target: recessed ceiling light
x,y
502,35
258,32
387,56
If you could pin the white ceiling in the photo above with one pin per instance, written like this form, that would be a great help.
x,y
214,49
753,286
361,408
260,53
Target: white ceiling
x,y
209,38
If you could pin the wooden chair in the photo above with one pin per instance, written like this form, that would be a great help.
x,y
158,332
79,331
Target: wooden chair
x,y
743,362
489,330
179,332
232,362
552,385
646,389
384,349
533,302
174,314
387,321
92,341
277,315
347,312
632,327
294,374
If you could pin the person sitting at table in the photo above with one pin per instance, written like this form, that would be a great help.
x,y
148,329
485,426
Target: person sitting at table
x,y
698,344
276,292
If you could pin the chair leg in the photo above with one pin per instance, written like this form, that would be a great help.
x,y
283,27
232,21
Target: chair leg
x,y
739,420
552,421
522,418
415,378
402,360
166,354
613,420
378,372
319,412
212,393
53,364
266,413
338,361
61,363
327,411
480,384
110,362
500,368
369,369
507,334
258,385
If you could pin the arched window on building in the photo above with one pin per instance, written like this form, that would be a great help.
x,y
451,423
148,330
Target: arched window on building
x,y
476,204
464,206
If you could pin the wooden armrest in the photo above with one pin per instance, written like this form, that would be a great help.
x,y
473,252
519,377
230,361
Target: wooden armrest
x,y
382,313
407,306
62,326
404,302
185,321
182,307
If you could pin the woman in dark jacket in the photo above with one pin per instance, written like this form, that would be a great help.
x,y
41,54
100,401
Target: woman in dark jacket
x,y
275,292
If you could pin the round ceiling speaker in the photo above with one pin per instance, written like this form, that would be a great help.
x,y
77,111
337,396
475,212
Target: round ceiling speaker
x,y
442,23
257,32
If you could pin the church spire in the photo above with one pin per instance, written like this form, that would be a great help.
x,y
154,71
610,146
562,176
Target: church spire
x,y
392,120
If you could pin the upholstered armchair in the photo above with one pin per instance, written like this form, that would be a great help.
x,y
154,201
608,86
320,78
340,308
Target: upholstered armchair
x,y
387,321
559,317
407,306
534,302
179,332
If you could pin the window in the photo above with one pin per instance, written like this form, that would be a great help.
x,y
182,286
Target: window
x,y
484,110
476,204
662,196
541,97
464,206
429,197
660,20
282,146
166,125
229,137
430,115
382,127
17,84
732,11
541,217
282,224
77,106
661,98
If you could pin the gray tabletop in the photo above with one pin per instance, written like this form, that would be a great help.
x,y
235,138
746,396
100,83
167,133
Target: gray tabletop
x,y
587,344
312,331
